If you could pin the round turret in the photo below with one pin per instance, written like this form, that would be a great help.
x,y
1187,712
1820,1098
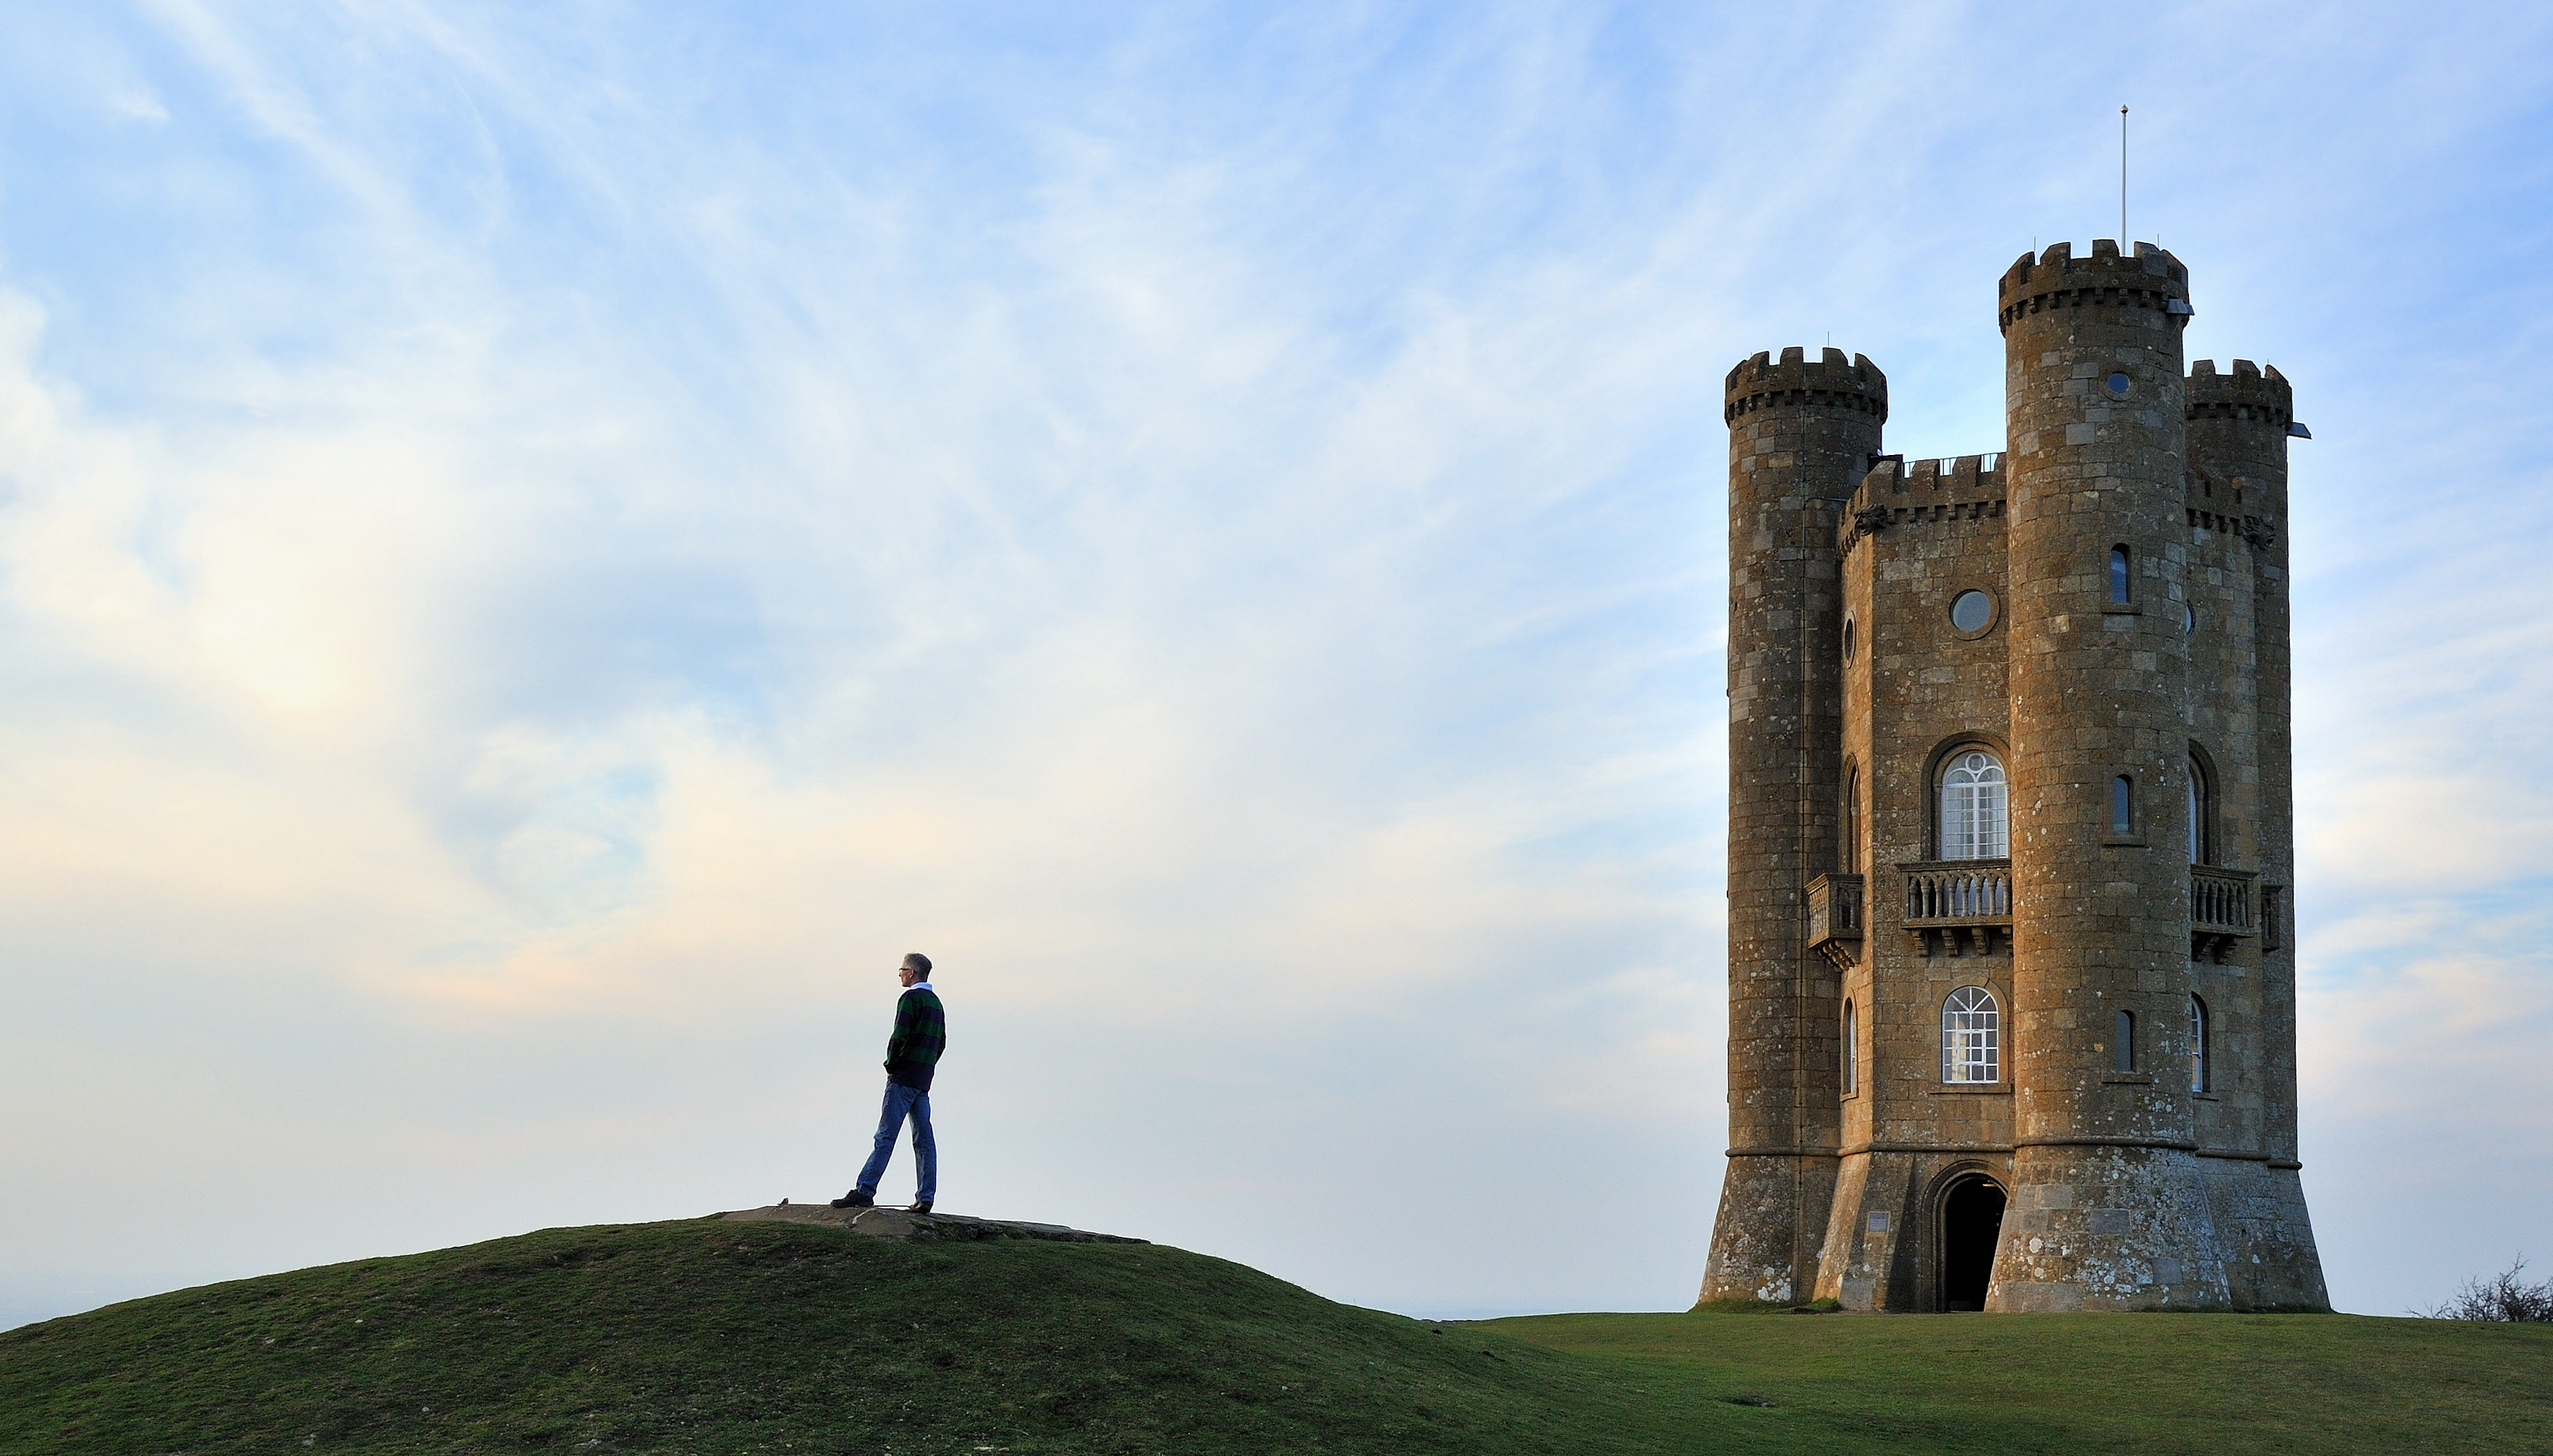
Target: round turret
x,y
2150,279
2248,394
1761,382
1801,434
2094,401
2238,426
2239,423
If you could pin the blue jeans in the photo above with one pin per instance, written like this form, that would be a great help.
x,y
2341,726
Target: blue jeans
x,y
903,1102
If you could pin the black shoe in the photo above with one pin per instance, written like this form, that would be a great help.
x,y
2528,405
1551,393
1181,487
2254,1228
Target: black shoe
x,y
855,1199
920,1205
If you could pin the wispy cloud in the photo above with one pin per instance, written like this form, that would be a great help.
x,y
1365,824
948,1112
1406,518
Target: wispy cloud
x,y
539,553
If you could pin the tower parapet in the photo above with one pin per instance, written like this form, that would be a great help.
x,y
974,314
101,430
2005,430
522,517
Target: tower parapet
x,y
2249,392
1900,491
2149,280
1797,381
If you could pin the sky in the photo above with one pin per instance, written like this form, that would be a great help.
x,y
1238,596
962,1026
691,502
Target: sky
x,y
542,548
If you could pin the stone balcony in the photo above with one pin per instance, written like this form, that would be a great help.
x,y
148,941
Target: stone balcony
x,y
1963,907
1834,917
2220,911
1958,907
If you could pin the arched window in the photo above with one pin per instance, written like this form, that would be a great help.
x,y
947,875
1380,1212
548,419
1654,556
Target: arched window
x,y
1974,819
2123,1042
1852,820
2119,575
1852,1052
2122,806
2197,1045
2202,821
1970,1036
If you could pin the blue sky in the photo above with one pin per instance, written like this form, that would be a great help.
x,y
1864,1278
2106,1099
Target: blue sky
x,y
540,551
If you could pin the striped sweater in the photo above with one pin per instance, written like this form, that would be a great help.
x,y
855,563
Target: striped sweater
x,y
921,1035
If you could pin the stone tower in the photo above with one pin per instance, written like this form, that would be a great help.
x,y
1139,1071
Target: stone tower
x,y
1800,434
2011,994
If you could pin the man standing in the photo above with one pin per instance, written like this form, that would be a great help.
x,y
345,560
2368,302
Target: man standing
x,y
912,1051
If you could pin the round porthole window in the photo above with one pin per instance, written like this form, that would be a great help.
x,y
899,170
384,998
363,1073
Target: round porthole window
x,y
1847,639
1971,611
2118,383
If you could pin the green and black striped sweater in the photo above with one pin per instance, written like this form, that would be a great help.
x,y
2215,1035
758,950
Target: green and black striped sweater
x,y
921,1035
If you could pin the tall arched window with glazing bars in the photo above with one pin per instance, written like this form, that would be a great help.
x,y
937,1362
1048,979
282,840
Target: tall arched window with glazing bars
x,y
1975,815
1972,1037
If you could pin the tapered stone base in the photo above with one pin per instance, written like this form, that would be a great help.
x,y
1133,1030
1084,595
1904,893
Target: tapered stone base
x,y
1772,1218
2271,1262
1868,1261
2108,1228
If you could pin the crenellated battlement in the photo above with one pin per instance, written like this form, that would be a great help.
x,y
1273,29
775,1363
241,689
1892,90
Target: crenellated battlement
x,y
2057,279
1900,491
1797,381
2248,392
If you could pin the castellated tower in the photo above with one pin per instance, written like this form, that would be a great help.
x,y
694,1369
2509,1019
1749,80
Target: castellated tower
x,y
1800,434
2012,993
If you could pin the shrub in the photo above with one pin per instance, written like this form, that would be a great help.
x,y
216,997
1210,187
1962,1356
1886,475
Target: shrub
x,y
2504,1297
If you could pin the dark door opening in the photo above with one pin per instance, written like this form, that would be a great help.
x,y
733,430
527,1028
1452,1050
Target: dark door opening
x,y
1972,1216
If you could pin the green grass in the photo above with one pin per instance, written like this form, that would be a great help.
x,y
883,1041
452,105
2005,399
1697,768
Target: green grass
x,y
2141,1383
719,1337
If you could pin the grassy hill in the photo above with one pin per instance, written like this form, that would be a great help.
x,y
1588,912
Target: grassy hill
x,y
702,1336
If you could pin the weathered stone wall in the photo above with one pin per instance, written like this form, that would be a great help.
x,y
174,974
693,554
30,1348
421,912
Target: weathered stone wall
x,y
1918,534
2259,1208
1800,433
1868,1261
2223,714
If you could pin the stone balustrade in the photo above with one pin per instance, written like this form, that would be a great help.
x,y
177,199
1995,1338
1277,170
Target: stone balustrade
x,y
1958,907
2220,910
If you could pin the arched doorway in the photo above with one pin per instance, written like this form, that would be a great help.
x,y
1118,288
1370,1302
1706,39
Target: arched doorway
x,y
1971,1217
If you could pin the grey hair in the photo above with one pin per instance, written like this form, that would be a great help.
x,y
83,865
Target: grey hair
x,y
919,961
